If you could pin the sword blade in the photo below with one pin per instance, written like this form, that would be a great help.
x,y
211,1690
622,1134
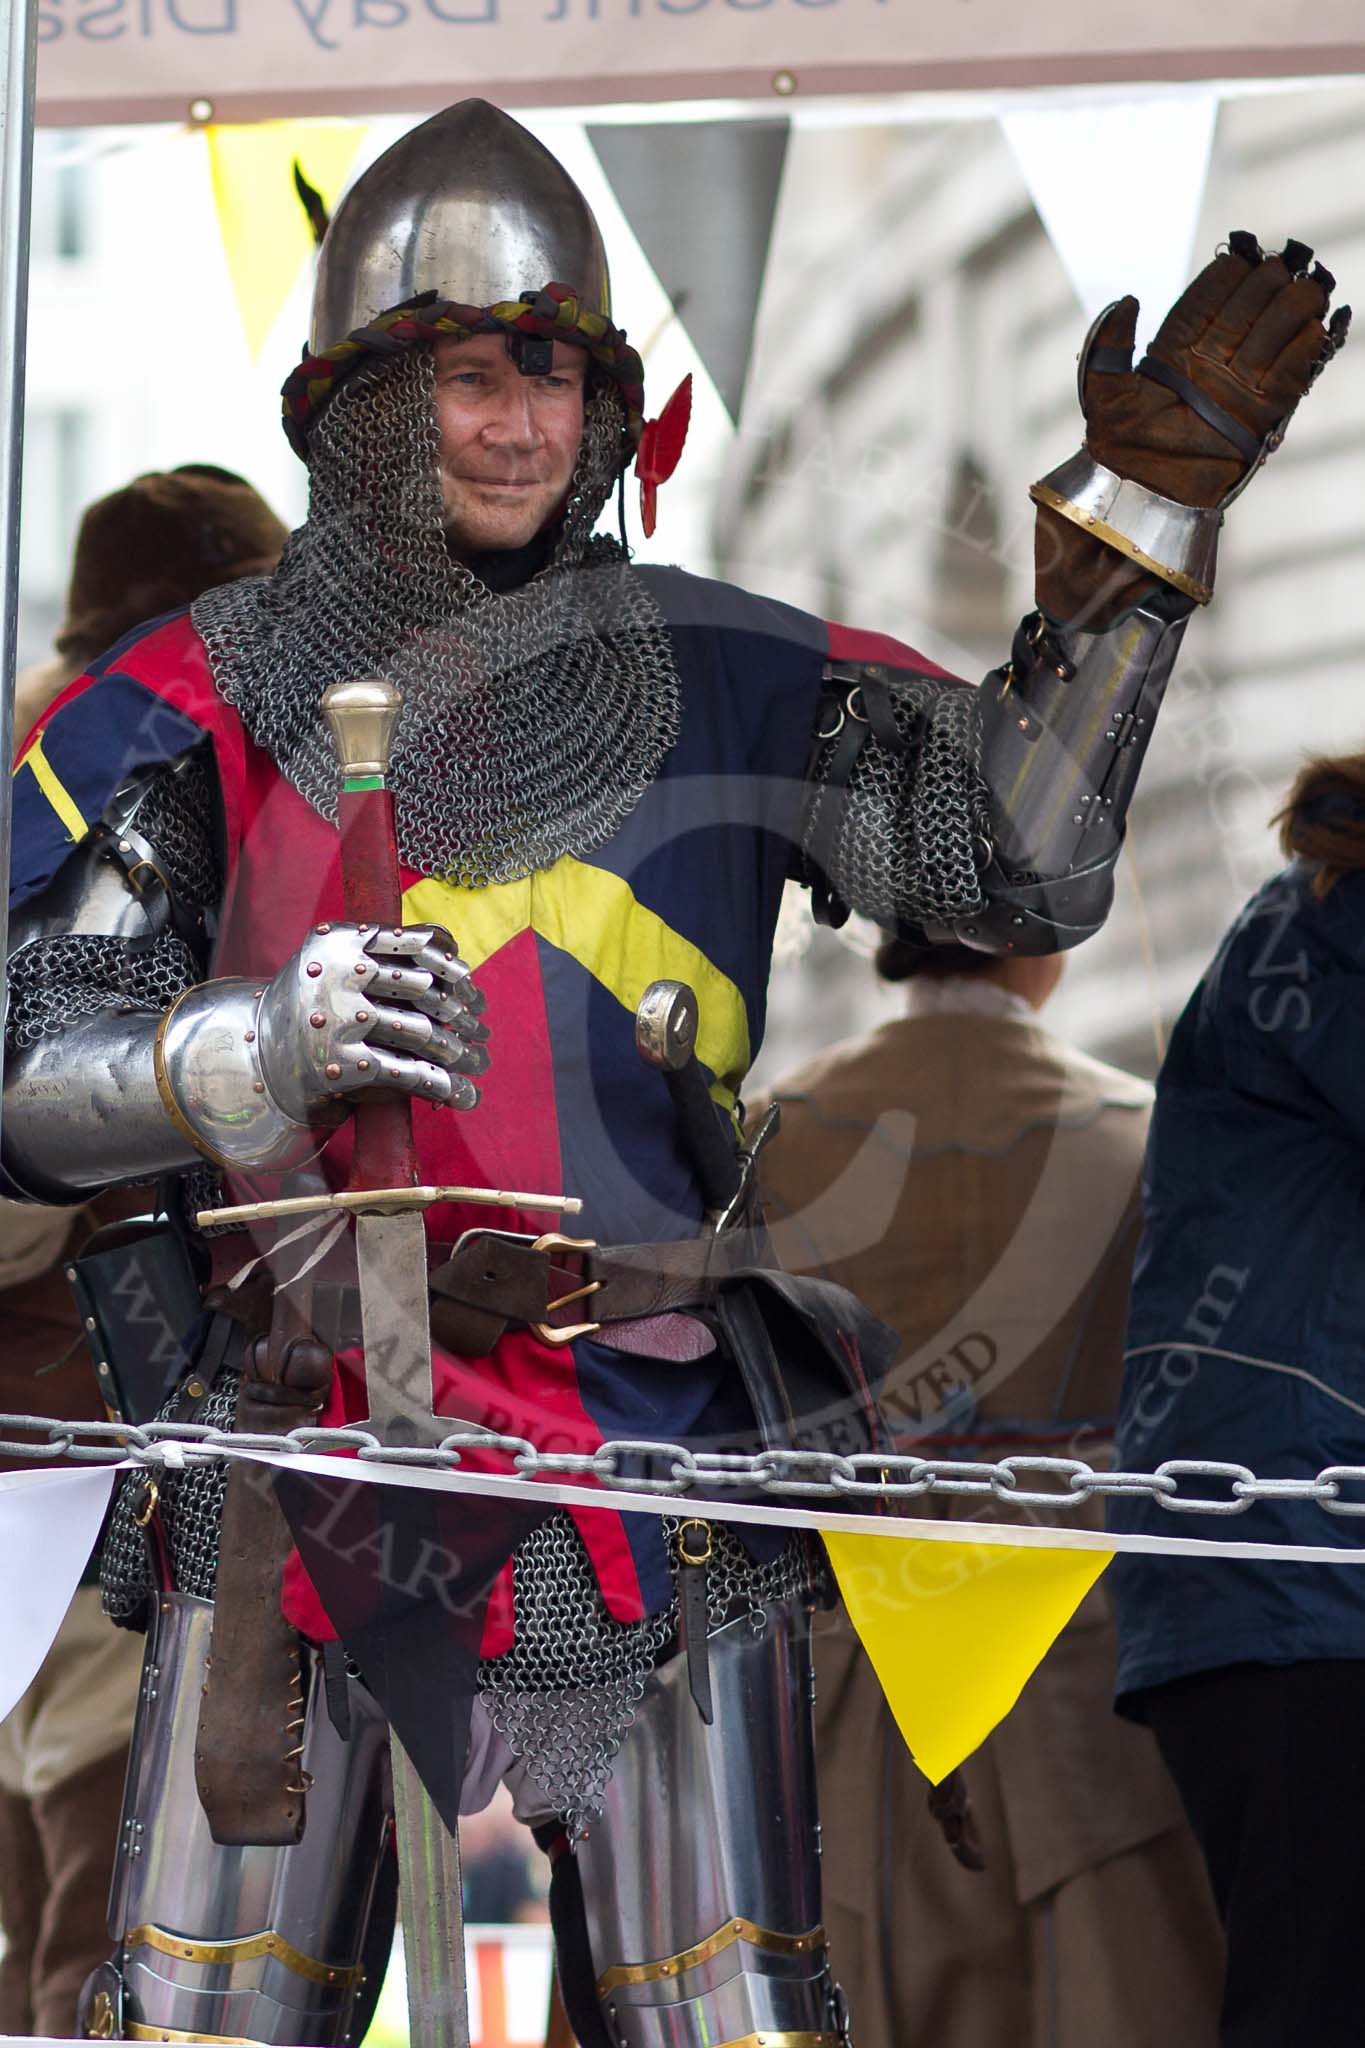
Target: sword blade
x,y
395,1323
391,1255
432,1907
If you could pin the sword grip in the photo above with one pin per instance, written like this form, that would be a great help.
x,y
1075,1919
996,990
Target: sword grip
x,y
362,717
371,886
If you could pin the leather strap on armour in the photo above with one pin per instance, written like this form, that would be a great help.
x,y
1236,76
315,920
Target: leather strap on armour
x,y
1110,362
490,1281
1213,414
251,1717
854,707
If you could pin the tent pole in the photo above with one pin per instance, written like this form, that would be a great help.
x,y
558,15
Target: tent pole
x,y
18,71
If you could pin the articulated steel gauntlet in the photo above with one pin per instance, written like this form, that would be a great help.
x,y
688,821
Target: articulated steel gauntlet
x,y
260,1075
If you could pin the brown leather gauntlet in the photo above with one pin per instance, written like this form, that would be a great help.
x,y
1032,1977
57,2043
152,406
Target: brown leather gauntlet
x,y
1230,362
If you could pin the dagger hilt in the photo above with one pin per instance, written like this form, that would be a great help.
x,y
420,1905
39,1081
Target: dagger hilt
x,y
666,1024
362,717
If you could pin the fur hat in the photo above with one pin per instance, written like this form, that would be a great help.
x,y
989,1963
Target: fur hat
x,y
156,545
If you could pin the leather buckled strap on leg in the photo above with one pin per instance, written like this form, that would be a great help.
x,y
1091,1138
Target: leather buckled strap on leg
x,y
695,1546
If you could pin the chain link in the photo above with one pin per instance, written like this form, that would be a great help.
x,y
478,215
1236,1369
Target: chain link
x,y
1177,1503
794,1474
1330,1481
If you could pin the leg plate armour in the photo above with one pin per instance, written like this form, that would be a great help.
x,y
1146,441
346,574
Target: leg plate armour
x,y
240,1944
700,1883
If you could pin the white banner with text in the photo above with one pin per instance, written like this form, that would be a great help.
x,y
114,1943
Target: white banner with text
x,y
138,60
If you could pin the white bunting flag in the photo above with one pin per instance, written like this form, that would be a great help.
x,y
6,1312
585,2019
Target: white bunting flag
x,y
48,1524
1119,186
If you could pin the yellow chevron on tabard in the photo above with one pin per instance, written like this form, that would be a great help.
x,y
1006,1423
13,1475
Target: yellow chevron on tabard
x,y
596,919
54,789
483,920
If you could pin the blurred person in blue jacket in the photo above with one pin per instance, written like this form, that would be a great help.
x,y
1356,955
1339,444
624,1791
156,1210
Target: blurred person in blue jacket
x,y
1245,1345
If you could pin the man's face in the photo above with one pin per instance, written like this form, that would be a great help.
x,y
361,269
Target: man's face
x,y
508,443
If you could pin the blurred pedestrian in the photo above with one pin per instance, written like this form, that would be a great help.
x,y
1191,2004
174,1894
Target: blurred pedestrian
x,y
974,1179
149,548
1245,1345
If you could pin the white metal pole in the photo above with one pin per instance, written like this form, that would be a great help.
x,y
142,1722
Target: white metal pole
x,y
18,71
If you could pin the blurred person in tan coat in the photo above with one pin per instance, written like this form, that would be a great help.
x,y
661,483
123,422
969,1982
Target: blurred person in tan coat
x,y
149,548
975,1180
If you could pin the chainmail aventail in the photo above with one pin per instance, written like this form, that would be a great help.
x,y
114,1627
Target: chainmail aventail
x,y
534,719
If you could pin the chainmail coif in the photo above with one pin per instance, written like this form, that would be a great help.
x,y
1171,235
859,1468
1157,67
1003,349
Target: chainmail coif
x,y
533,719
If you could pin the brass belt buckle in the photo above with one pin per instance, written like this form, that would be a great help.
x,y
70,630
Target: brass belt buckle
x,y
564,1333
151,1495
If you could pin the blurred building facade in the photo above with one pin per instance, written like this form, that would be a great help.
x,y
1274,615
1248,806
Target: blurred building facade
x,y
915,371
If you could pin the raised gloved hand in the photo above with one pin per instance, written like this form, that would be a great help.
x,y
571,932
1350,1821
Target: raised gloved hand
x,y
1210,399
1231,360
359,1007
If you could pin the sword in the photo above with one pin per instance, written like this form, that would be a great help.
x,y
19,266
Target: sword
x,y
391,1256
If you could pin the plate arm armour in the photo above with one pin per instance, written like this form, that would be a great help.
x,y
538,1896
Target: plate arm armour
x,y
994,817
121,1063
1064,728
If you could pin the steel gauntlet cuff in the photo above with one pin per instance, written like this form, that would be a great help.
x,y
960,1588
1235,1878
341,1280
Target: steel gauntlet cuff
x,y
209,1076
1177,543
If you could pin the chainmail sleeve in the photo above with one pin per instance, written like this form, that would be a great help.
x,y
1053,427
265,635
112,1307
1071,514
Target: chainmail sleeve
x,y
55,981
897,825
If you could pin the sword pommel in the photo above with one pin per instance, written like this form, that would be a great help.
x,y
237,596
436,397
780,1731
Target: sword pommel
x,y
362,717
666,1025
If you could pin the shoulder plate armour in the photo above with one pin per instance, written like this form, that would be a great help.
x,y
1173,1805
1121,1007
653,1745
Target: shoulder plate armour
x,y
123,928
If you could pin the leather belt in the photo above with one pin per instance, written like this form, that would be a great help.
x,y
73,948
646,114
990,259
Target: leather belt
x,y
638,1298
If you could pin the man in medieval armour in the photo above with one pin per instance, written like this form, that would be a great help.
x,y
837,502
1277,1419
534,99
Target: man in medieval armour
x,y
604,775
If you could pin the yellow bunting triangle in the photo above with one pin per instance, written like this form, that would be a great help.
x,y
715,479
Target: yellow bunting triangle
x,y
954,1630
266,236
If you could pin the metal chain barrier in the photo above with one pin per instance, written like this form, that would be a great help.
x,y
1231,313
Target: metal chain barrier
x,y
1060,1483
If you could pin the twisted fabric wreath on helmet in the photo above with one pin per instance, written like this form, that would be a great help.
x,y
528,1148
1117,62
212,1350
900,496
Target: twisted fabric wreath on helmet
x,y
554,313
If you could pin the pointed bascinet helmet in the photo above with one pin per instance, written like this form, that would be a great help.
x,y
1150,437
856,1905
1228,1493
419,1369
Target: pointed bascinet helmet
x,y
467,225
469,206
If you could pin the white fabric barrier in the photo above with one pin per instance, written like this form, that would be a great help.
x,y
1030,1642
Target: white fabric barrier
x,y
48,1524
